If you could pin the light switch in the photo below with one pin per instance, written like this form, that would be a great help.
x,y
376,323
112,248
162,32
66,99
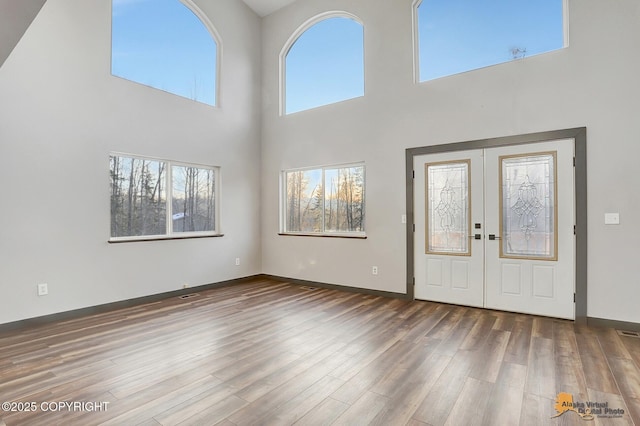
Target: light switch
x,y
612,218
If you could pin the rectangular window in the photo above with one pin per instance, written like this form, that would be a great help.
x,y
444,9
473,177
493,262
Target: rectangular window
x,y
153,198
324,201
456,36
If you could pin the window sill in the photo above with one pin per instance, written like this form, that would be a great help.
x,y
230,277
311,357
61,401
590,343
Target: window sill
x,y
302,234
160,238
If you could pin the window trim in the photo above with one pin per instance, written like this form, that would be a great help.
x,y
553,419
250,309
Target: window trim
x,y
416,42
282,72
216,38
329,234
171,235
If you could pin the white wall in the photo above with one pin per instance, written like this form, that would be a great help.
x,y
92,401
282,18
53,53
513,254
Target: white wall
x,y
62,113
592,83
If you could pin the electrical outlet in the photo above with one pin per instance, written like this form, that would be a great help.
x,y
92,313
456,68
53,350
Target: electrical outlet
x,y
185,285
237,261
374,270
43,289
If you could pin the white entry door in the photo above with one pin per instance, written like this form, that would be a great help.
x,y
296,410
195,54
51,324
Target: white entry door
x,y
449,260
519,201
529,207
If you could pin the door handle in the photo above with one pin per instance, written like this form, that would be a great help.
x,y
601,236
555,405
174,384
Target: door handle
x,y
476,236
493,237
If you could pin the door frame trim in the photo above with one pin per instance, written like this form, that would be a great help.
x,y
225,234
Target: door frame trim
x,y
579,136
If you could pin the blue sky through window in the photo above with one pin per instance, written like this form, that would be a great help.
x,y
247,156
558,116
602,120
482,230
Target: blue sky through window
x,y
325,65
462,35
161,43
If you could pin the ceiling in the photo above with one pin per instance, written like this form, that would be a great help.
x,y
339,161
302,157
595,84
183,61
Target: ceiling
x,y
266,7
15,18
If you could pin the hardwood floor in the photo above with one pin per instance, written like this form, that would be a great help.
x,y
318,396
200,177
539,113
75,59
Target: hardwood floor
x,y
267,352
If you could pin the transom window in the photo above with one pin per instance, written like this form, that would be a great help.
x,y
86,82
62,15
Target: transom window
x,y
324,200
455,36
153,198
166,44
324,63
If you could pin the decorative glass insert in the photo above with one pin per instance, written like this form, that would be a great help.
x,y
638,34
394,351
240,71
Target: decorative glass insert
x,y
528,213
448,208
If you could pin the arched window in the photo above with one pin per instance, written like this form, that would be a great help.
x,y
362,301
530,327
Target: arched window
x,y
166,44
323,62
455,36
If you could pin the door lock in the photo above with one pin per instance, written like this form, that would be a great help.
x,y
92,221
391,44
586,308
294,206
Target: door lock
x,y
493,237
476,236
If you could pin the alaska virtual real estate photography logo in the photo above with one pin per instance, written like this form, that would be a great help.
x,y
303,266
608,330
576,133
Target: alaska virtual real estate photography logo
x,y
586,410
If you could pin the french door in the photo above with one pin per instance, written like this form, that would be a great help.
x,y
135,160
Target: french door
x,y
494,228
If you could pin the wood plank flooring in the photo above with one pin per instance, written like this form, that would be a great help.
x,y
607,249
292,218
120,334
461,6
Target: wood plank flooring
x,y
273,353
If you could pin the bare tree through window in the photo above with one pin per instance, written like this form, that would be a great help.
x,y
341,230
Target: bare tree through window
x,y
193,199
141,190
138,199
325,200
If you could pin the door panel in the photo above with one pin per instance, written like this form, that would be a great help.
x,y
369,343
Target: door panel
x,y
520,201
448,260
529,204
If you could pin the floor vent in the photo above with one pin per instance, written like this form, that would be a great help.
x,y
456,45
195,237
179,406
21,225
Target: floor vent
x,y
306,287
628,333
189,296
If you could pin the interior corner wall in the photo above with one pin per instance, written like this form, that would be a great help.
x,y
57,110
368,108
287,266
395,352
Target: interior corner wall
x,y
62,113
591,83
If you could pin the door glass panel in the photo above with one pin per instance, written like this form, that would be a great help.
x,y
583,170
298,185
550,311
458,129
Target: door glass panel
x,y
448,208
528,206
